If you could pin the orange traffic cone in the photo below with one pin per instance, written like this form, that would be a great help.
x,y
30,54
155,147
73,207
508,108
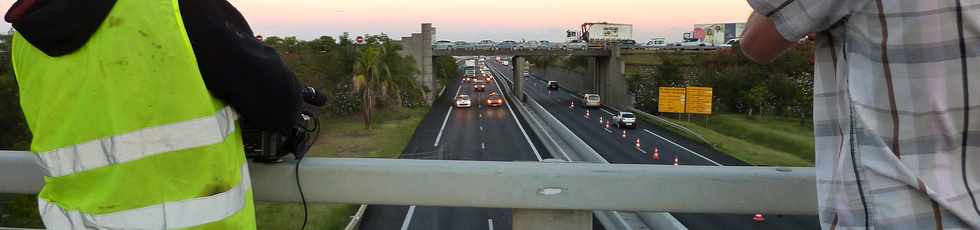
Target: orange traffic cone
x,y
572,106
656,153
637,143
624,134
600,119
607,124
675,161
758,217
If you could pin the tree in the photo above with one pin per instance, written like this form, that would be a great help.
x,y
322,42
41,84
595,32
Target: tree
x,y
380,71
756,98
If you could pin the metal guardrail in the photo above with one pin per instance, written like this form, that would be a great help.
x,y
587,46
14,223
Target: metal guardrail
x,y
524,185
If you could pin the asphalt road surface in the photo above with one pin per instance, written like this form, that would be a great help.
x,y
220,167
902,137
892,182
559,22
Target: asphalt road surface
x,y
610,143
479,133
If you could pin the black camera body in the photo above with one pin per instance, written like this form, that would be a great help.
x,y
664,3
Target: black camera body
x,y
270,147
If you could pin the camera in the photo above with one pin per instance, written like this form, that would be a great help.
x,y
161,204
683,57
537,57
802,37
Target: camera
x,y
270,147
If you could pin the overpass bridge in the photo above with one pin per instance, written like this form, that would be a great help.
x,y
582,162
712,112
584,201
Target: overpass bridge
x,y
606,68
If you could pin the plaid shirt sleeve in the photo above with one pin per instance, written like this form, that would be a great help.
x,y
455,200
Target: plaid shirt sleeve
x,y
796,18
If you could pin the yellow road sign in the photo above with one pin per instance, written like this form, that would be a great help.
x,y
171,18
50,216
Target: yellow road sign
x,y
671,100
699,100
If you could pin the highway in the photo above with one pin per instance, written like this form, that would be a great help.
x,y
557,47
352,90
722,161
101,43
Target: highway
x,y
610,143
479,133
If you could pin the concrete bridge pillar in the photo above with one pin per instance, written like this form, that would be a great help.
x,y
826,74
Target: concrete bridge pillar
x,y
610,75
519,66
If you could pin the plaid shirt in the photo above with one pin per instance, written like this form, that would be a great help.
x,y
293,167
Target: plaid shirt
x,y
896,109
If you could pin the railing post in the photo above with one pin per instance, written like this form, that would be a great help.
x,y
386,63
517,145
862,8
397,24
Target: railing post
x,y
543,219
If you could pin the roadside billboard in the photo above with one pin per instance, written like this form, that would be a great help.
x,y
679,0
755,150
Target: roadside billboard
x,y
699,100
671,100
719,33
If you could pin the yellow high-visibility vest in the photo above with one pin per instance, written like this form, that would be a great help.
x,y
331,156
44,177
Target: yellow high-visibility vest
x,y
128,133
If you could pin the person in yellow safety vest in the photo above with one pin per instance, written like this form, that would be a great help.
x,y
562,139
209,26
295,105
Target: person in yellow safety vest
x,y
133,107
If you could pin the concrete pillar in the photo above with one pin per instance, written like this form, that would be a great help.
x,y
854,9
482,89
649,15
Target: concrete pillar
x,y
539,219
428,75
519,66
611,85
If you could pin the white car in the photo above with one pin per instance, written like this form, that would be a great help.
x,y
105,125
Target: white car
x,y
546,45
624,120
574,45
485,45
463,101
529,45
656,43
461,45
442,45
592,100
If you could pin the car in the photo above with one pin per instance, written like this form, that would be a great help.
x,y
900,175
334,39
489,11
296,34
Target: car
x,y
575,45
442,45
479,87
506,45
592,100
463,101
485,45
488,78
529,45
461,45
495,100
552,85
729,43
545,45
526,73
656,43
695,45
624,120
628,44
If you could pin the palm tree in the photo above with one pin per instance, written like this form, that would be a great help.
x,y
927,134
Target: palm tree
x,y
380,71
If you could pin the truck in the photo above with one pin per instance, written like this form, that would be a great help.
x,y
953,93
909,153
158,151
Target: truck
x,y
598,34
469,63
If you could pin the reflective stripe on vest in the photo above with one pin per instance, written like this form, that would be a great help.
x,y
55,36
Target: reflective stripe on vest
x,y
140,144
178,214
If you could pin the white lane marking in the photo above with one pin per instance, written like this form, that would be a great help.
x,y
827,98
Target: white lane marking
x,y
682,147
607,130
607,111
481,128
444,120
528,139
483,145
490,223
408,217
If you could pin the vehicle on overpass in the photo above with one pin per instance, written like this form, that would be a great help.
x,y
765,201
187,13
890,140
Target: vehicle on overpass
x,y
485,45
592,100
574,45
479,86
628,44
463,101
442,45
529,45
461,45
599,34
505,63
624,120
545,45
494,100
656,43
552,85
506,45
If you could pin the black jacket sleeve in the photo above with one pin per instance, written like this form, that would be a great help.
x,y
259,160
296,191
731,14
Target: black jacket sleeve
x,y
237,68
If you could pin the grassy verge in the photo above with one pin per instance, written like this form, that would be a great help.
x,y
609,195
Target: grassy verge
x,y
770,141
339,137
344,137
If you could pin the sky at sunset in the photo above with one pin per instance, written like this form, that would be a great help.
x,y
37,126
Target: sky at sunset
x,y
476,20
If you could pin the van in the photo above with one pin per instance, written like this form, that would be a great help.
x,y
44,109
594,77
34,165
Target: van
x,y
592,100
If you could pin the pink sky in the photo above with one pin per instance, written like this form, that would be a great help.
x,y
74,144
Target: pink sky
x,y
475,20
